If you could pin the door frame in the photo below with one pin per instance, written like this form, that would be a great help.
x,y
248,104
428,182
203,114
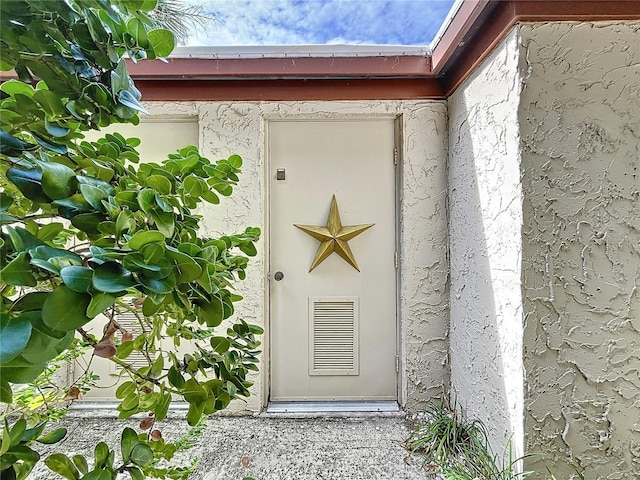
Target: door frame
x,y
266,120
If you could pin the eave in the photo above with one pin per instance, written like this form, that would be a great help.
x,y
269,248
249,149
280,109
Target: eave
x,y
342,72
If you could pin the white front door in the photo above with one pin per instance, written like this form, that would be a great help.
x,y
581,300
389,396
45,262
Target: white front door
x,y
332,273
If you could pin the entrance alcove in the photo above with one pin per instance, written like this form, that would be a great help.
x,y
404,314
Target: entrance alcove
x,y
516,216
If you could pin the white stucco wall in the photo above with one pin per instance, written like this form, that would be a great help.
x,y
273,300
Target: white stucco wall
x,y
485,198
239,127
580,128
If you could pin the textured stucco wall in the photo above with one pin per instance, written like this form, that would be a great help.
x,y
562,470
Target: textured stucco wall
x,y
580,129
485,200
239,127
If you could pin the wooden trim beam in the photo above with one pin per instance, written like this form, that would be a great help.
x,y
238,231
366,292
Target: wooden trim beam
x,y
290,90
283,67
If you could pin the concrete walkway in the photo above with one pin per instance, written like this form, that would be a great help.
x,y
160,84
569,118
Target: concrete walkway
x,y
270,447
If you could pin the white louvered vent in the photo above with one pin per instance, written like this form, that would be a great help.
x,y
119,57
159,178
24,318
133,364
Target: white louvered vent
x,y
333,336
129,322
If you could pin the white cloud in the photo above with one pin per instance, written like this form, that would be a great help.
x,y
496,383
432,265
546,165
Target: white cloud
x,y
295,22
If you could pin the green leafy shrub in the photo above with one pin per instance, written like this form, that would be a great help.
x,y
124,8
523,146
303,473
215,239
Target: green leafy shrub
x,y
86,231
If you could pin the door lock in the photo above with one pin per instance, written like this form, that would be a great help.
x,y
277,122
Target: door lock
x,y
278,276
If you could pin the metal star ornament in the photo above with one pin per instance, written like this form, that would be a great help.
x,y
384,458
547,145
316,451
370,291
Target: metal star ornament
x,y
334,237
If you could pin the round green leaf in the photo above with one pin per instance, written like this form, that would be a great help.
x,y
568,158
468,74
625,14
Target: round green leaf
x,y
248,248
187,269
10,144
81,463
61,464
55,130
20,371
210,197
101,454
136,474
45,252
99,303
190,249
235,161
18,272
26,454
211,313
139,32
175,378
88,222
159,183
98,475
49,231
30,301
50,102
153,253
194,413
158,285
164,222
192,186
53,436
58,181
128,442
220,344
111,277
44,343
162,41
124,349
14,336
146,199
77,278
163,407
142,455
125,389
193,392
135,262
54,147
148,5
33,432
13,87
142,238
65,309
93,195
45,265
29,182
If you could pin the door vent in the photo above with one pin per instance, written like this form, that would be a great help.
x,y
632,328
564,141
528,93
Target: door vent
x,y
129,322
333,336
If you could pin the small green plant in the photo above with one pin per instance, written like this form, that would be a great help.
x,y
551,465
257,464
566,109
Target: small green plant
x,y
458,448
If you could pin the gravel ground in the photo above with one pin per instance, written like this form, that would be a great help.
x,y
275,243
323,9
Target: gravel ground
x,y
269,447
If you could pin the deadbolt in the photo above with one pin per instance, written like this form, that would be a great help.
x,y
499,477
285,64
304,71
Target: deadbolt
x,y
278,276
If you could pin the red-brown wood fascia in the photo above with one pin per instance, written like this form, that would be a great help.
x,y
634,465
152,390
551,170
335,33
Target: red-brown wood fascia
x,y
290,89
497,19
395,66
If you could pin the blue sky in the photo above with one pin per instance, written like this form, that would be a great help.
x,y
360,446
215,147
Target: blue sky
x,y
302,22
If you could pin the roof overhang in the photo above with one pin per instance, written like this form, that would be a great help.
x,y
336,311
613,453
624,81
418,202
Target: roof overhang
x,y
360,72
337,72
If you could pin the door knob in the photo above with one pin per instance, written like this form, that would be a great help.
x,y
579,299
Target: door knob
x,y
278,276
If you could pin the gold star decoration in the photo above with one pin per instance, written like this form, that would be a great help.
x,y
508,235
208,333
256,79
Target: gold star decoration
x,y
334,237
